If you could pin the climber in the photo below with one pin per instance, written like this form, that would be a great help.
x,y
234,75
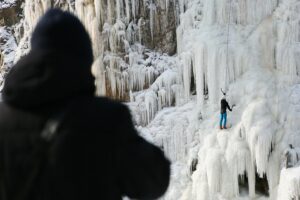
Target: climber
x,y
224,106
291,157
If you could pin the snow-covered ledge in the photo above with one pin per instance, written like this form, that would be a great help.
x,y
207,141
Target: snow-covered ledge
x,y
289,186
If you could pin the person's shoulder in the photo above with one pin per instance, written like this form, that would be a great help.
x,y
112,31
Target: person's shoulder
x,y
97,106
108,102
107,105
112,110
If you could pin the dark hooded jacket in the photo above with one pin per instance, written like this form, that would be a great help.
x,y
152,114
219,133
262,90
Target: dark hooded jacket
x,y
96,152
224,106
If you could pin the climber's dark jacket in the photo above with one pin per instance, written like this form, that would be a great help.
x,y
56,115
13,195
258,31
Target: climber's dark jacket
x,y
96,153
224,106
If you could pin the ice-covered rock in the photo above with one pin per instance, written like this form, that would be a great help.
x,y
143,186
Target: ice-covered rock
x,y
8,46
289,187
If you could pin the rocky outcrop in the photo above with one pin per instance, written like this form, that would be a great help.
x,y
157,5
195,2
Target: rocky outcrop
x,y
7,49
11,15
164,28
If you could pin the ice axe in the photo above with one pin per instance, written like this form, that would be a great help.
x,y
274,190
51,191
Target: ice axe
x,y
224,93
233,106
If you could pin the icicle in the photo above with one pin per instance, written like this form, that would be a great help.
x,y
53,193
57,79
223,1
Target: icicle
x,y
145,5
179,38
117,34
46,5
124,80
181,6
127,5
126,46
214,171
260,128
133,56
119,8
200,66
151,105
273,173
112,76
209,14
152,8
99,11
133,5
130,32
212,80
99,73
140,26
243,12
187,73
131,96
162,99
110,11
167,6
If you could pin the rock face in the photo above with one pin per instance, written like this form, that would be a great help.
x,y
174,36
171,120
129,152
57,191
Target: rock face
x,y
7,49
10,14
163,35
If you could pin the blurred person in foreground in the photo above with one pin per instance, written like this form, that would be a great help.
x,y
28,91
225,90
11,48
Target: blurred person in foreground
x,y
57,140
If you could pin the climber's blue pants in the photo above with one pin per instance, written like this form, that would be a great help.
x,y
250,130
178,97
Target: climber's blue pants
x,y
223,120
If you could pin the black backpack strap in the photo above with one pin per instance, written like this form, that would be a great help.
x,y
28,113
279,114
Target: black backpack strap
x,y
51,127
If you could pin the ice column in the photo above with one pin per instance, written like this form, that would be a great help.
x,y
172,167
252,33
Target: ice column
x,y
152,18
200,69
187,73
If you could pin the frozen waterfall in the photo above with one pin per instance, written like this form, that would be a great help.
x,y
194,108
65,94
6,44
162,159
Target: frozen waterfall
x,y
168,59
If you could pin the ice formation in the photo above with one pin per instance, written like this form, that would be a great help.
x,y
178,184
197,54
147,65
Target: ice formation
x,y
249,48
114,39
289,187
252,54
8,46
